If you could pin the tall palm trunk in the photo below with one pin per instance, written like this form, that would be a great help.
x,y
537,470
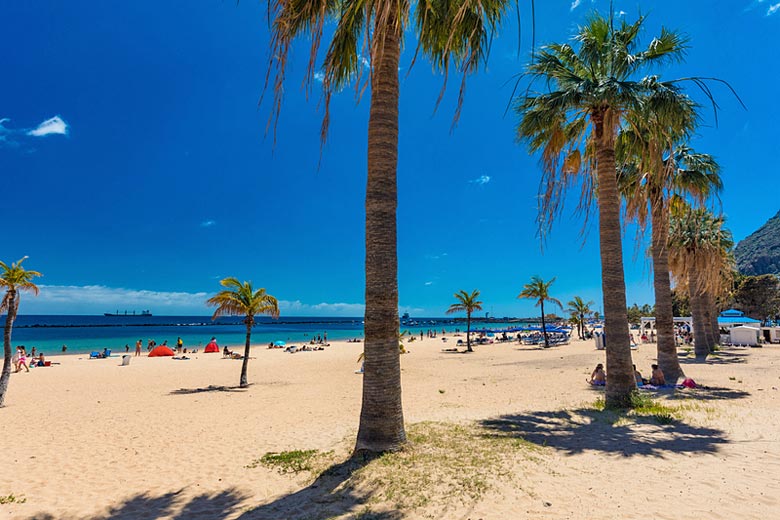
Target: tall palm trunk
x,y
707,312
381,415
468,332
621,382
668,361
714,321
700,323
544,327
245,363
9,323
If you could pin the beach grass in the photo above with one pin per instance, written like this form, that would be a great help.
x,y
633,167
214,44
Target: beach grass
x,y
12,499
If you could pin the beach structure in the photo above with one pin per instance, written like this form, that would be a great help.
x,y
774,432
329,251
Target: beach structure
x,y
212,347
745,335
161,351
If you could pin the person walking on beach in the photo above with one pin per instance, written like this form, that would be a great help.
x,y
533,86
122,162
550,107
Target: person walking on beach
x,y
138,347
22,361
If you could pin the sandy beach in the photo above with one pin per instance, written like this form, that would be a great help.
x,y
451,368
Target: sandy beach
x,y
92,439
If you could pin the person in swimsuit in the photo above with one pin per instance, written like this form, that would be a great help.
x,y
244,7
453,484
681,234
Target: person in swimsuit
x,y
657,377
22,361
598,377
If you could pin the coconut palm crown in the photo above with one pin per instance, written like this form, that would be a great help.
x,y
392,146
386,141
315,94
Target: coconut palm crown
x,y
539,290
13,279
467,303
591,84
241,299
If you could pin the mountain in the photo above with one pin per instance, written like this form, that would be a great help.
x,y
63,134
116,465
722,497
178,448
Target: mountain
x,y
759,253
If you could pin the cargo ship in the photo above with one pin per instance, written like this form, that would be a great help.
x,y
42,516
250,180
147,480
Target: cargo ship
x,y
128,313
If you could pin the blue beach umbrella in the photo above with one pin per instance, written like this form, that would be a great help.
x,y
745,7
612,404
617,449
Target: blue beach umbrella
x,y
279,343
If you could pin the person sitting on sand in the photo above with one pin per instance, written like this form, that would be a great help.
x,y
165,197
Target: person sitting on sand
x,y
41,360
657,377
638,377
225,352
598,377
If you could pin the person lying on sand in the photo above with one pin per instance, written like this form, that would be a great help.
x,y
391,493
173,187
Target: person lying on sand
x,y
598,377
657,377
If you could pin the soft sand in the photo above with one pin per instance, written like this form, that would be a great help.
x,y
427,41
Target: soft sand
x,y
91,439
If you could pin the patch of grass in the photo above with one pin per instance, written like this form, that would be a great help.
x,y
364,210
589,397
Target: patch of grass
x,y
12,499
295,461
643,405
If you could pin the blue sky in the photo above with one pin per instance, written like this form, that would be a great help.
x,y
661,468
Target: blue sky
x,y
137,173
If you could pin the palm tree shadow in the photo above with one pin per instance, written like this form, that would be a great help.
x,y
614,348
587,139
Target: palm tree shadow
x,y
584,429
210,388
169,505
330,495
710,393
719,358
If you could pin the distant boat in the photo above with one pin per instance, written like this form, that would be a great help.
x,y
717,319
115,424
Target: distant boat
x,y
126,313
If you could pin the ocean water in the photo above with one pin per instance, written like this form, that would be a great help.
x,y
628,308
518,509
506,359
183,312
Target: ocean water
x,y
83,334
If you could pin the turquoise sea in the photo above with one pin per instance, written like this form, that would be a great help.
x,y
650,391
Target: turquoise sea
x,y
83,334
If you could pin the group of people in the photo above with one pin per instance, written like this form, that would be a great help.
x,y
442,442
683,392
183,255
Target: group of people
x,y
599,378
22,360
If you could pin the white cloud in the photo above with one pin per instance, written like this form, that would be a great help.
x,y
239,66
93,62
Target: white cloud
x,y
428,283
208,223
773,9
97,299
481,180
299,308
53,126
622,13
575,4
319,76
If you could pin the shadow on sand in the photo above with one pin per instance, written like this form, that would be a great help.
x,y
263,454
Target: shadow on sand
x,y
210,388
576,431
169,505
718,358
330,495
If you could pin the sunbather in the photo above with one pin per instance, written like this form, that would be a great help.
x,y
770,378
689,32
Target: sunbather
x,y
598,377
657,377
638,377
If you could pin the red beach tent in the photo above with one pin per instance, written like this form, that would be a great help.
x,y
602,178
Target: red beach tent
x,y
212,347
160,351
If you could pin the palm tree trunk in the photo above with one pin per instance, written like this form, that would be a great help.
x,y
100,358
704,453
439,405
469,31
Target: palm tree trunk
x,y
7,355
544,328
621,382
668,361
468,332
700,324
245,362
714,320
381,415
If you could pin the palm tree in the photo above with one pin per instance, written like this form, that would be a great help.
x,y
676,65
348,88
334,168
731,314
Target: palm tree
x,y
240,299
579,309
539,290
699,255
13,279
467,303
655,170
591,85
453,35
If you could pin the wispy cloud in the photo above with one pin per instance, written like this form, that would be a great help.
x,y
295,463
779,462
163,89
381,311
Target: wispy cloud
x,y
773,9
575,4
208,223
428,283
319,76
53,126
481,180
96,299
15,137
